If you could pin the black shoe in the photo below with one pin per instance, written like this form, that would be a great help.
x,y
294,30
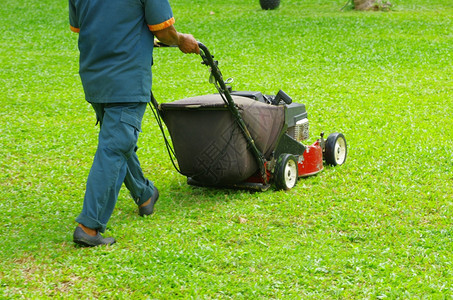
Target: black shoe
x,y
148,209
86,240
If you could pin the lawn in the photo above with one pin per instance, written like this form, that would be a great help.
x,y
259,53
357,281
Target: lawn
x,y
379,226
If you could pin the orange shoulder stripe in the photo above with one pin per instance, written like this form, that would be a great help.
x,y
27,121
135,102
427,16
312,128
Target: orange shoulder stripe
x,y
162,25
74,29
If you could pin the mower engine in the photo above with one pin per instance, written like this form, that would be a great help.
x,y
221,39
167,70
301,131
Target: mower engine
x,y
295,114
297,122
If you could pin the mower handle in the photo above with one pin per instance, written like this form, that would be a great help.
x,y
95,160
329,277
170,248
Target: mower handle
x,y
159,44
203,47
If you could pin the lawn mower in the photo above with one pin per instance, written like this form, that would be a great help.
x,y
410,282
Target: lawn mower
x,y
243,139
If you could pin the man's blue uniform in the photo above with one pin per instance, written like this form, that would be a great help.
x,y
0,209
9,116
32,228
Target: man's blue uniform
x,y
116,45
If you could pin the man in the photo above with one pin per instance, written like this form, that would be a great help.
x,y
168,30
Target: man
x,y
116,40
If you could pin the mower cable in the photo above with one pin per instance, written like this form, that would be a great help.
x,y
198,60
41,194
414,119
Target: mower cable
x,y
157,116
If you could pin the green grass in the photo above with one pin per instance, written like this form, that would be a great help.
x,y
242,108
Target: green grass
x,y
379,226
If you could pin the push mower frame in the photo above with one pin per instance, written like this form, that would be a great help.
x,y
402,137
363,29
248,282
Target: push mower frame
x,y
290,159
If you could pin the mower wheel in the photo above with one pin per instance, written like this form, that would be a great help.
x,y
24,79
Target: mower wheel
x,y
336,149
286,172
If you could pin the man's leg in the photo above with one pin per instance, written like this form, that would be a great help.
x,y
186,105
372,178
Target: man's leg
x,y
141,188
120,126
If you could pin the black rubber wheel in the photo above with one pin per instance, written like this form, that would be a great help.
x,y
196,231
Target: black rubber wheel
x,y
336,149
269,4
286,172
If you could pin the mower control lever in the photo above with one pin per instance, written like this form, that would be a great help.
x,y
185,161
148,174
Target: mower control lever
x,y
282,96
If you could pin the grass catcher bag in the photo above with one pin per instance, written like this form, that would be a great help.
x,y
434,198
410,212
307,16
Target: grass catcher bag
x,y
210,146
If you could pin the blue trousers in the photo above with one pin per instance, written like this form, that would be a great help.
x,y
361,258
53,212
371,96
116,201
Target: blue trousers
x,y
115,162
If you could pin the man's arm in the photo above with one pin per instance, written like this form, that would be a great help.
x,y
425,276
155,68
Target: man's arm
x,y
185,42
73,21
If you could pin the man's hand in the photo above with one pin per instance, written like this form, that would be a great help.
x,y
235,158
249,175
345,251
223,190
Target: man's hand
x,y
188,44
185,42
